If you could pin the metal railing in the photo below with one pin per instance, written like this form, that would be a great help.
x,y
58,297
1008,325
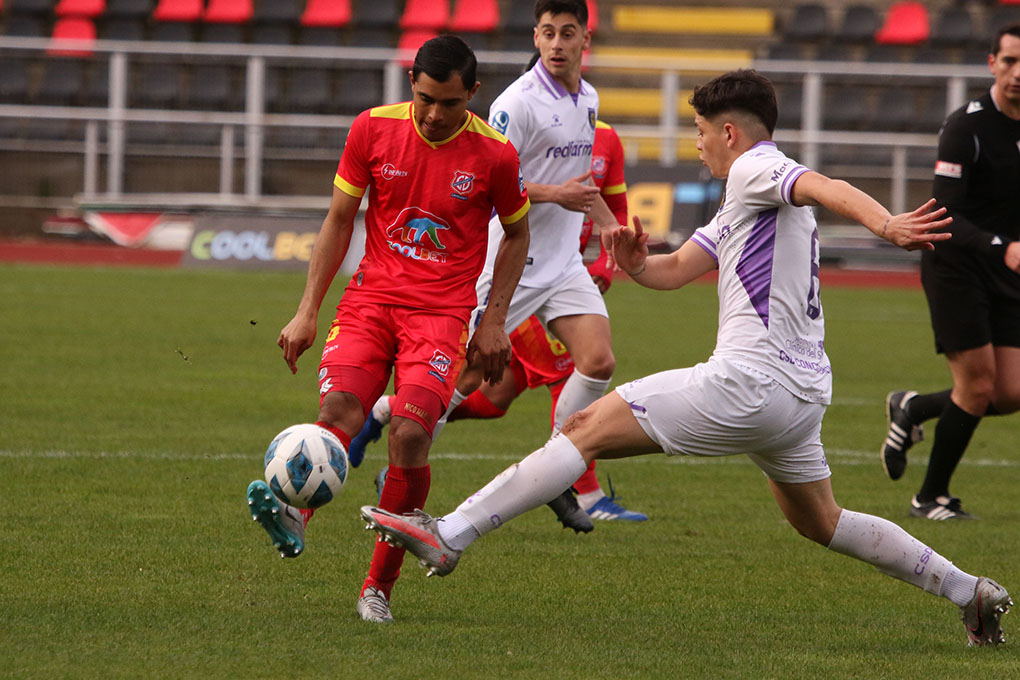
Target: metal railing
x,y
254,120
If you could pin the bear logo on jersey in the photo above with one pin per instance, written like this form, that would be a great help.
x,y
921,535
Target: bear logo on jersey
x,y
417,230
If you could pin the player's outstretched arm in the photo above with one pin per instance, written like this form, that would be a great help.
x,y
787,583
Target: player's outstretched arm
x,y
915,230
490,345
330,248
661,272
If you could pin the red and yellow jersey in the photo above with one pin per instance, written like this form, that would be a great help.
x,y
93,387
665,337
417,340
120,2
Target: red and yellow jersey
x,y
607,174
429,205
544,358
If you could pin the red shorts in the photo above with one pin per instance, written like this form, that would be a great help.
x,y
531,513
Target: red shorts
x,y
544,358
424,349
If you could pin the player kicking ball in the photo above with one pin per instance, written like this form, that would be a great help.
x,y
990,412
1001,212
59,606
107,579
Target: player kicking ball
x,y
765,388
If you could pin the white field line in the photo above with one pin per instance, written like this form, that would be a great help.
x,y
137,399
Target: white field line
x,y
837,456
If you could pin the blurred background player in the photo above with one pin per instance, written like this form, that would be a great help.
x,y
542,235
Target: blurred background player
x,y
764,390
538,358
971,284
434,173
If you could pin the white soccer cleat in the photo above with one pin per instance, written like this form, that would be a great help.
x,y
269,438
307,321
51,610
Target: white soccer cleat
x,y
418,534
982,614
374,607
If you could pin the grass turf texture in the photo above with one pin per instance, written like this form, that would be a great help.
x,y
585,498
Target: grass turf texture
x,y
136,408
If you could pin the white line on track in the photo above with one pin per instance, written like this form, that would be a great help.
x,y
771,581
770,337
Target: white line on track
x,y
838,456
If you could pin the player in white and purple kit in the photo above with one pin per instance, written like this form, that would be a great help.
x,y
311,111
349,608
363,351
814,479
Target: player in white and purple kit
x,y
764,389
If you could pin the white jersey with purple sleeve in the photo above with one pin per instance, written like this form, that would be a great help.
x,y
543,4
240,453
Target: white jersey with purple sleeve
x,y
553,131
770,312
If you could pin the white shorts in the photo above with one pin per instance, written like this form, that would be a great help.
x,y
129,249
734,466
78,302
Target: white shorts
x,y
720,408
575,294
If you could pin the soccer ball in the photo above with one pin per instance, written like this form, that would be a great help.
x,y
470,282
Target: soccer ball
x,y
306,466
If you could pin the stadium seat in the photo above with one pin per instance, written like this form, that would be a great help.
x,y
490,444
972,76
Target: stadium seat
x,y
906,23
24,26
884,54
213,89
593,16
789,99
28,7
520,18
475,16
379,14
157,86
222,33
732,21
272,34
319,36
411,41
358,90
173,31
846,108
228,12
309,91
123,28
80,8
128,9
62,82
425,15
277,12
332,13
954,27
786,51
184,11
999,17
97,93
14,80
809,23
859,25
78,29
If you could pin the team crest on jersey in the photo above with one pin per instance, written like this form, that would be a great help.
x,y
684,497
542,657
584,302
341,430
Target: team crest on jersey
x,y
591,117
463,182
556,122
598,166
500,121
415,235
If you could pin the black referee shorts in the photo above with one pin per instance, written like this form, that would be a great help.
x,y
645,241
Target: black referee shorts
x,y
973,300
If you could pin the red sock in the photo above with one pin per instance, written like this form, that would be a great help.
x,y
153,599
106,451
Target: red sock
x,y
340,434
587,482
405,490
477,405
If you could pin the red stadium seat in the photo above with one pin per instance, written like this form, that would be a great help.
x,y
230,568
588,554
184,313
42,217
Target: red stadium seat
x,y
80,8
593,16
184,11
73,28
228,12
428,15
332,13
412,40
475,16
906,23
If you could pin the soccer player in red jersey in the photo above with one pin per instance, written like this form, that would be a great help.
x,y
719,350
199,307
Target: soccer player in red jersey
x,y
434,173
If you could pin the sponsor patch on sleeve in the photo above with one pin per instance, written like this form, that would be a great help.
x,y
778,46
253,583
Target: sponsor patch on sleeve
x,y
946,169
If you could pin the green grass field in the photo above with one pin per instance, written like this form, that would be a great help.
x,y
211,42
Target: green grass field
x,y
135,407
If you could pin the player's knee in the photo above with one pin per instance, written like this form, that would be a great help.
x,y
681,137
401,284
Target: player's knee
x,y
976,391
408,443
599,365
342,410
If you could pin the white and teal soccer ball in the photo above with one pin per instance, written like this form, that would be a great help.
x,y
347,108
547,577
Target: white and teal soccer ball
x,y
306,466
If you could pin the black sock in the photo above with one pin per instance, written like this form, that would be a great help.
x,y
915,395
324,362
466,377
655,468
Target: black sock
x,y
952,434
927,406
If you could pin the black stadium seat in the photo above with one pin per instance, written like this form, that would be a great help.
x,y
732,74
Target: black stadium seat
x,y
954,27
62,82
859,24
14,80
809,23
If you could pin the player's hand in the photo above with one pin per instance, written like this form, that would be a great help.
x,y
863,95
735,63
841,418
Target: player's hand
x,y
914,230
1012,256
577,194
490,349
295,338
630,247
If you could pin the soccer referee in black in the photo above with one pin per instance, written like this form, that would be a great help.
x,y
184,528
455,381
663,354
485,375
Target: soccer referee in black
x,y
972,283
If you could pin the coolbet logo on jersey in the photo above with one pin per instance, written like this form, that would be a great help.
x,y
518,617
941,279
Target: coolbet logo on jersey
x,y
418,232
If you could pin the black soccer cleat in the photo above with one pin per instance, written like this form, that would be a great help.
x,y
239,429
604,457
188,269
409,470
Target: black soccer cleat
x,y
569,512
901,435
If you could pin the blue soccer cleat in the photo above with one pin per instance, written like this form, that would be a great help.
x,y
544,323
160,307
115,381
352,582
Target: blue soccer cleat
x,y
283,523
606,508
378,417
380,481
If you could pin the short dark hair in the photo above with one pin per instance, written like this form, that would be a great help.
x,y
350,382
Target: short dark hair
x,y
534,60
579,8
1011,29
741,90
444,55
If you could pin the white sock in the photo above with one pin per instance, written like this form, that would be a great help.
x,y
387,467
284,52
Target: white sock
x,y
455,401
381,409
523,486
896,553
456,530
586,500
578,392
959,586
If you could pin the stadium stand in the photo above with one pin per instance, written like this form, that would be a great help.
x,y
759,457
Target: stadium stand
x,y
716,21
81,30
80,8
411,40
906,23
859,25
326,13
178,11
809,23
123,29
425,15
954,27
14,80
128,9
374,22
228,12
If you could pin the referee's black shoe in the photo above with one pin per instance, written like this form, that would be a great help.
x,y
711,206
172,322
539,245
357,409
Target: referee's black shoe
x,y
570,514
901,435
